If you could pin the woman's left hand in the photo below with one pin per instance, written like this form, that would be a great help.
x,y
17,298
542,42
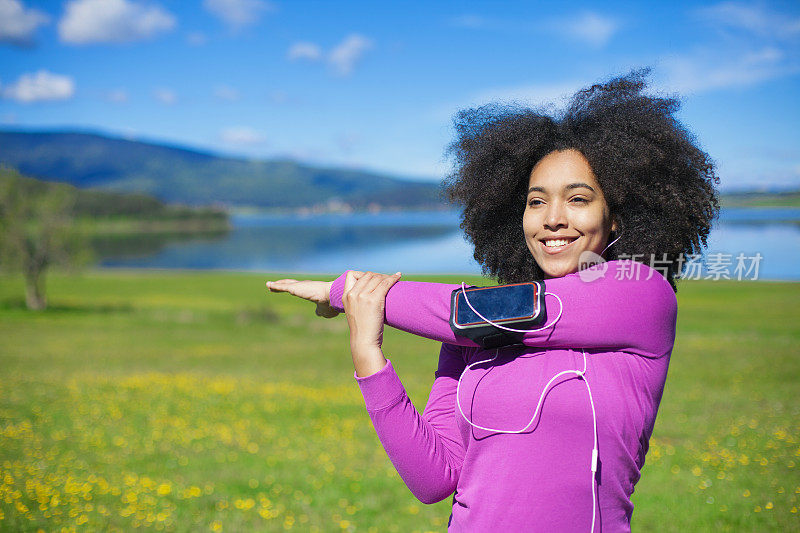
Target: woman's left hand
x,y
318,292
364,301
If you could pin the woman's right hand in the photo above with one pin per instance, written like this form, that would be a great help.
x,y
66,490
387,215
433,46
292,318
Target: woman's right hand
x,y
364,301
318,292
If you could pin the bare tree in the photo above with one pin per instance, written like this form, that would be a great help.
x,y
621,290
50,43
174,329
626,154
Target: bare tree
x,y
37,230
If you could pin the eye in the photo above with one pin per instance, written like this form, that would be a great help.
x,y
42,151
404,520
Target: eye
x,y
580,199
533,202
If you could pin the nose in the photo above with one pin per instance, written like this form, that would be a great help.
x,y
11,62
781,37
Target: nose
x,y
556,216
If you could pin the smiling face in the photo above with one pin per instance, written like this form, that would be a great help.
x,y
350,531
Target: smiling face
x,y
566,213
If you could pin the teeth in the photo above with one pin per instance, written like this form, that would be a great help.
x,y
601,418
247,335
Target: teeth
x,y
556,242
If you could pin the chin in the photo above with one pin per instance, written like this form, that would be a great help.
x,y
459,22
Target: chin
x,y
557,271
560,274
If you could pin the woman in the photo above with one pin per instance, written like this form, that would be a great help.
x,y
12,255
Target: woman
x,y
550,435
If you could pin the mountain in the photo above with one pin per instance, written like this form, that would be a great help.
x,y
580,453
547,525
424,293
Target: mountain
x,y
174,174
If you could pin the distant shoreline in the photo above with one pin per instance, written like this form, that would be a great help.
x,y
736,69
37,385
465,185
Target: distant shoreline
x,y
124,226
761,199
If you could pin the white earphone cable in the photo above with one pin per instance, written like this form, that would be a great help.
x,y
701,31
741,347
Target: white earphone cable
x,y
580,374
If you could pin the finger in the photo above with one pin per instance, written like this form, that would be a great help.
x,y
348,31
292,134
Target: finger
x,y
350,281
359,285
362,277
374,282
387,283
280,285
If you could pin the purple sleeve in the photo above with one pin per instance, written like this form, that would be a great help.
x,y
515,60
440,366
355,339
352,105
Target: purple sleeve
x,y
631,308
426,449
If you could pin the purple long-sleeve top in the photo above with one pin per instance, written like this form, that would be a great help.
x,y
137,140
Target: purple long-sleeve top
x,y
539,480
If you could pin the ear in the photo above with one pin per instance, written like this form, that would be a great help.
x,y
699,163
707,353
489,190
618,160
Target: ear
x,y
614,224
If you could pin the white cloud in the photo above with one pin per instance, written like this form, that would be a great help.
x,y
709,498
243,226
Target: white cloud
x,y
238,13
196,38
279,97
755,19
165,96
18,24
756,44
347,142
548,95
588,27
112,21
342,58
117,96
347,53
40,86
707,70
304,50
242,135
227,93
469,21
697,71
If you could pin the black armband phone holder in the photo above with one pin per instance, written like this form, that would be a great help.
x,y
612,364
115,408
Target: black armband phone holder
x,y
517,306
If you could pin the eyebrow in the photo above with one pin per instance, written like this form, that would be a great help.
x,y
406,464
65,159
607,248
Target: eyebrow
x,y
566,187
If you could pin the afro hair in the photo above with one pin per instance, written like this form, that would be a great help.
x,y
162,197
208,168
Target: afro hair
x,y
659,185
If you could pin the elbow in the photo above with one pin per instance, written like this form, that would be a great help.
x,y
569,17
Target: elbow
x,y
429,496
432,489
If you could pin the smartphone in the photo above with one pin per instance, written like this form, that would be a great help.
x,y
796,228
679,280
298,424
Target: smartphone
x,y
516,306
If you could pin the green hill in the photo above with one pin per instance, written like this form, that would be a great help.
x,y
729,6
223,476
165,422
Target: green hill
x,y
175,174
787,198
107,208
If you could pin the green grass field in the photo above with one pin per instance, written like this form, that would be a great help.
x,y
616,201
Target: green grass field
x,y
198,401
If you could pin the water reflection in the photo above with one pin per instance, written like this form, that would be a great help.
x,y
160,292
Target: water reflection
x,y
757,216
419,242
323,243
121,247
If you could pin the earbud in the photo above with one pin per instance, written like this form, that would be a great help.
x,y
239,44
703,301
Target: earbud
x,y
611,243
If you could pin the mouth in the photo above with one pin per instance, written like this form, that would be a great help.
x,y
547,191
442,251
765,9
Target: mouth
x,y
554,246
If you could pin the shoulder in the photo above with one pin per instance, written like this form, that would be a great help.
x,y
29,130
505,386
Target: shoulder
x,y
620,284
653,278
652,294
623,284
633,276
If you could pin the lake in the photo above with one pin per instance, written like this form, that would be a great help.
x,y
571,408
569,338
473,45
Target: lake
x,y
432,242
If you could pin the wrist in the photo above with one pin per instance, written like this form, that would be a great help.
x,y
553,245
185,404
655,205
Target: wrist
x,y
368,360
365,350
328,292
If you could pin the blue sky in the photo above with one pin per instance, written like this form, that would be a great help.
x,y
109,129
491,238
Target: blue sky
x,y
375,84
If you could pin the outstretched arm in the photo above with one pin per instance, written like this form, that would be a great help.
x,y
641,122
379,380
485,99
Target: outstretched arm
x,y
417,307
633,313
